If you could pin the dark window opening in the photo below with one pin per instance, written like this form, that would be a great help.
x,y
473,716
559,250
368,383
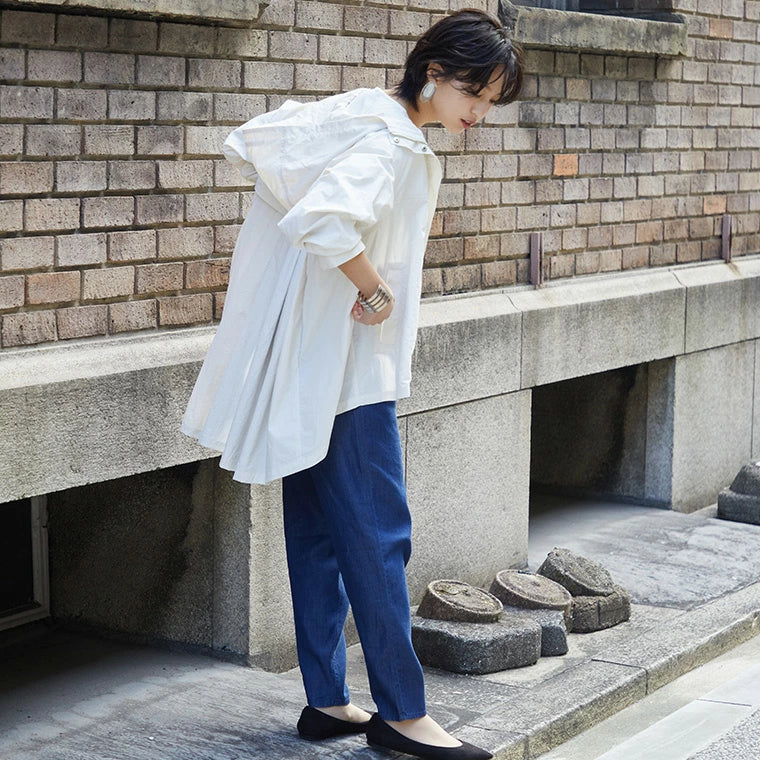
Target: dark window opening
x,y
16,557
658,10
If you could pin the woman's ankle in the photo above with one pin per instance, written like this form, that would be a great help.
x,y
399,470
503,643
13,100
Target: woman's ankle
x,y
349,712
424,730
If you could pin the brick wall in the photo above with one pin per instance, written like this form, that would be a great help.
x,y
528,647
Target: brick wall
x,y
118,214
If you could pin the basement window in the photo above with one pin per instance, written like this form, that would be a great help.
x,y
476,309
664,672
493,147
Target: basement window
x,y
24,588
647,9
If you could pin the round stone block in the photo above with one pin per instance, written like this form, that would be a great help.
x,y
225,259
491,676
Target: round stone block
x,y
516,588
459,602
579,575
747,480
474,649
594,613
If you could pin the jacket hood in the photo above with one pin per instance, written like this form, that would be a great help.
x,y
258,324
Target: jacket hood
x,y
289,148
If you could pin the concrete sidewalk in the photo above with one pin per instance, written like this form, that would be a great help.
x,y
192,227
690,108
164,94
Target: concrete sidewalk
x,y
696,591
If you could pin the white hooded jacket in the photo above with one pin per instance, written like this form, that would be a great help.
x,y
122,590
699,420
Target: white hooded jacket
x,y
336,177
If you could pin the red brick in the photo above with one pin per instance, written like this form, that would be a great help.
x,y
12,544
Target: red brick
x,y
218,207
444,251
28,28
11,216
82,31
635,258
159,278
28,328
131,34
565,164
158,209
587,262
225,237
132,315
108,283
432,281
52,287
499,273
185,242
11,291
131,175
316,15
51,214
79,250
714,204
461,278
482,247
649,232
26,177
722,28
132,245
111,211
458,221
81,321
207,274
185,310
26,253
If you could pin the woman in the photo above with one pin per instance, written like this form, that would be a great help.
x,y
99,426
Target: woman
x,y
315,347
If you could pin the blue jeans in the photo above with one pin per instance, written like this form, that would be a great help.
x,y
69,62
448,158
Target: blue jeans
x,y
348,537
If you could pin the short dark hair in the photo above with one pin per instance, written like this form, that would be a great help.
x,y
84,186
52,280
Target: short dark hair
x,y
468,45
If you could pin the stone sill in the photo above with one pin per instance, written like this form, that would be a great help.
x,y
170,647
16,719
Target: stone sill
x,y
592,32
229,12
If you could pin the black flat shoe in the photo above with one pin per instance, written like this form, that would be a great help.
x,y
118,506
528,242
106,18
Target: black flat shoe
x,y
315,725
380,734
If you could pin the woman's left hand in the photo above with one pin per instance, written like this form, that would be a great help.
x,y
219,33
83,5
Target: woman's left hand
x,y
364,317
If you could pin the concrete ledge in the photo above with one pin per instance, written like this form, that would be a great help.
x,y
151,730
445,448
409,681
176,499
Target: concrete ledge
x,y
721,304
466,349
567,30
237,12
86,412
704,633
586,326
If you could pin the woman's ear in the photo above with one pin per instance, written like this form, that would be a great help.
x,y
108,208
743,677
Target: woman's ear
x,y
434,72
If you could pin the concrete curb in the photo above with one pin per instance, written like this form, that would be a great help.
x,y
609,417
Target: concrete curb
x,y
576,699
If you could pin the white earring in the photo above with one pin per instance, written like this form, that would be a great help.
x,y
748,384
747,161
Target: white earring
x,y
427,92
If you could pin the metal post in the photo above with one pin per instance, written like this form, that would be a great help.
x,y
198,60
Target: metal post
x,y
536,259
726,238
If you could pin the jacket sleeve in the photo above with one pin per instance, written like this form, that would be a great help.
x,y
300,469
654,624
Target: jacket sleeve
x,y
345,201
234,150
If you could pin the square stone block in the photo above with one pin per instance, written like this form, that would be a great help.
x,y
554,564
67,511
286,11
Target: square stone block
x,y
468,483
712,422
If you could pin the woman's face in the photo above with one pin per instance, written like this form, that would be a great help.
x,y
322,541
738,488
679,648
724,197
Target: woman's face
x,y
458,106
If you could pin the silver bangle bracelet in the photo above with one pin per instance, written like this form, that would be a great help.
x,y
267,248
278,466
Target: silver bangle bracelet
x,y
377,302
